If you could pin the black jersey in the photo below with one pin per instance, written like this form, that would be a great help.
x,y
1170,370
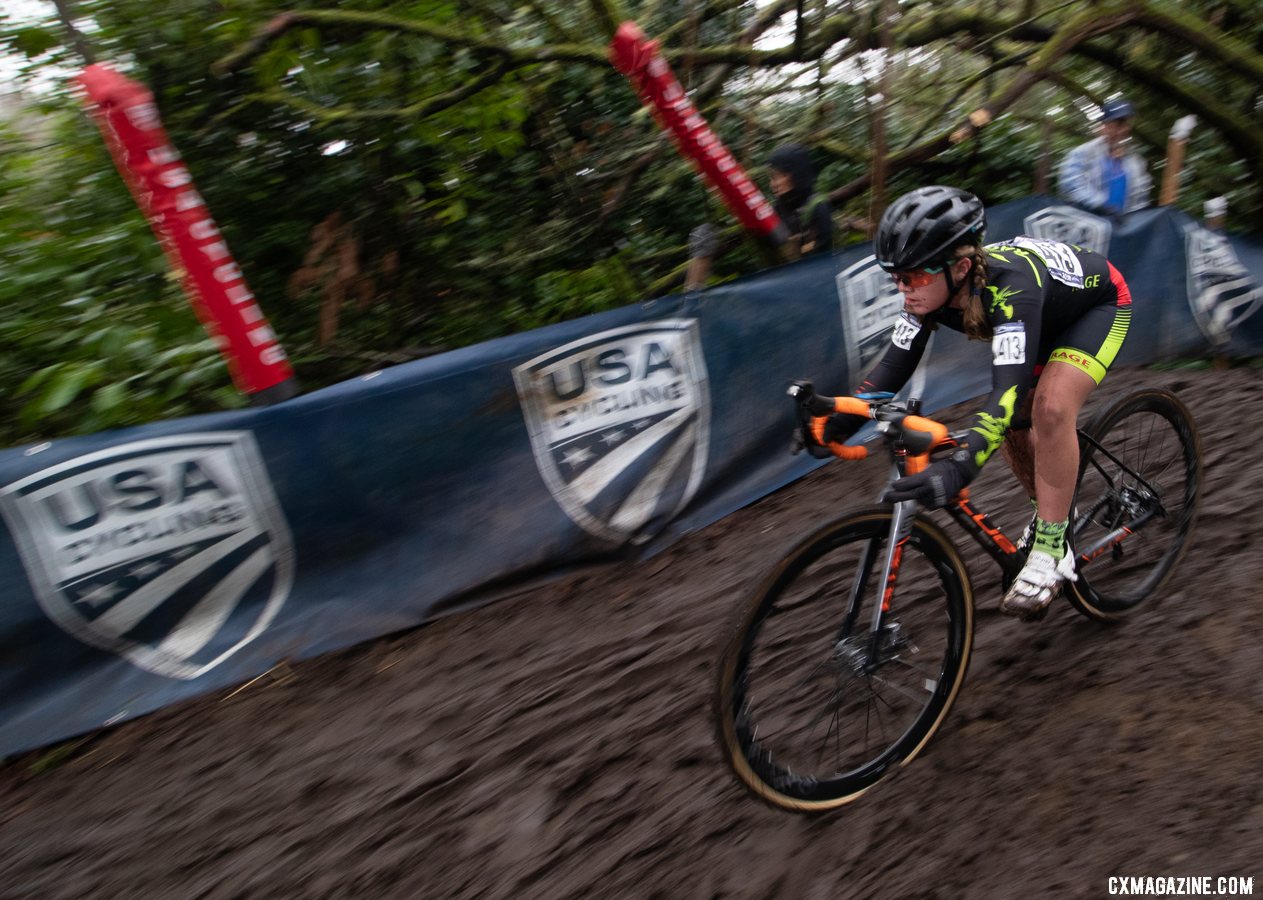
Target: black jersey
x,y
1036,291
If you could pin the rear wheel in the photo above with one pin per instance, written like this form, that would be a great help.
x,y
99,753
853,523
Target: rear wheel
x,y
1135,503
812,708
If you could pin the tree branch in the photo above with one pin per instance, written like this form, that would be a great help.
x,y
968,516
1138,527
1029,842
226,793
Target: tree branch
x,y
914,29
1245,137
609,15
553,22
422,108
372,21
80,44
1226,49
1075,32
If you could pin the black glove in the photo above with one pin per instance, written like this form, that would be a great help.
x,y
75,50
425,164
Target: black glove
x,y
934,488
841,426
837,428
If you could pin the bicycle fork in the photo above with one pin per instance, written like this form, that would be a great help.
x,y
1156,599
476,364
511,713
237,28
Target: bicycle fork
x,y
900,528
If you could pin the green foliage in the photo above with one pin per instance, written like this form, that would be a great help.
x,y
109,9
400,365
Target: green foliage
x,y
563,295
93,334
396,178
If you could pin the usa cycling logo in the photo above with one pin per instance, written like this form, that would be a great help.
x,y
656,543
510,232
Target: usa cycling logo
x,y
1069,225
1221,291
619,425
171,552
871,305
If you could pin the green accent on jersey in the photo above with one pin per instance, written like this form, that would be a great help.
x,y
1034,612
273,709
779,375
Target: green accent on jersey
x,y
1030,261
993,428
1114,340
999,296
1023,253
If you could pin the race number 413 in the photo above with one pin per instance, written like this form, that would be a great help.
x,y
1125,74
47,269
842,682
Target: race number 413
x,y
1008,346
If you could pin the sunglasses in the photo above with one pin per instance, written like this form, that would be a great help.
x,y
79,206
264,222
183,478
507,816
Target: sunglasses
x,y
916,278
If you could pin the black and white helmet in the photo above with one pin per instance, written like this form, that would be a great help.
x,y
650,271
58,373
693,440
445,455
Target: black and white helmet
x,y
922,227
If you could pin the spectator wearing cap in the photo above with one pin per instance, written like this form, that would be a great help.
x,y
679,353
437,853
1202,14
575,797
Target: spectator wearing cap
x,y
1103,175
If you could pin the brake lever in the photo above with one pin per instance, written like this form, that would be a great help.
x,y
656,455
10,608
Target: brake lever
x,y
797,389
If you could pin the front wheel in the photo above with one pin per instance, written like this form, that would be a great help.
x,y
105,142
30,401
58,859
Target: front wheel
x,y
813,707
1135,503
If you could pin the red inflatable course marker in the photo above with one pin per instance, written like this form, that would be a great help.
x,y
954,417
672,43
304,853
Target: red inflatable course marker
x,y
164,190
661,91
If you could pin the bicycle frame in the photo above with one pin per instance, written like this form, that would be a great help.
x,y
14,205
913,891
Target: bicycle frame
x,y
910,439
1150,498
977,525
988,536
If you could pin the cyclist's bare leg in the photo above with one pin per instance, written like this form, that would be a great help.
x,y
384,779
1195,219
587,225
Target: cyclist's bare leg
x,y
1019,453
1062,391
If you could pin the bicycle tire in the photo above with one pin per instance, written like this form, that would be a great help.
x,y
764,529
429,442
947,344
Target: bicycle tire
x,y
1153,434
932,610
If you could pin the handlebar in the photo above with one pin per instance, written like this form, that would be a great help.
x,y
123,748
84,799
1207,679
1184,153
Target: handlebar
x,y
902,428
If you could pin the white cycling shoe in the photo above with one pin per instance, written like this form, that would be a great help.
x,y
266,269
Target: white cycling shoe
x,y
1036,585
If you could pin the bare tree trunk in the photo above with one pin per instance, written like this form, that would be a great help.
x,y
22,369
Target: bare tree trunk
x,y
1044,164
877,203
1171,172
65,12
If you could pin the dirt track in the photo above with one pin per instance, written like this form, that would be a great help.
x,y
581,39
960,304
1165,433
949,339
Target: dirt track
x,y
559,744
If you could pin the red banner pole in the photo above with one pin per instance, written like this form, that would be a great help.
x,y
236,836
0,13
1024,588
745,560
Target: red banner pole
x,y
164,190
662,93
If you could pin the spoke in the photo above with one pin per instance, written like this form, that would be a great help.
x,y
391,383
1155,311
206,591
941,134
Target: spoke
x,y
881,725
910,693
835,701
1146,459
834,719
870,712
920,671
816,670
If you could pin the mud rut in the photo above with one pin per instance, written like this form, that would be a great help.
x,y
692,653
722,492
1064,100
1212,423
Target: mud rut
x,y
558,744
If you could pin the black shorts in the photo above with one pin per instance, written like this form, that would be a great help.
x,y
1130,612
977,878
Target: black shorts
x,y
1090,344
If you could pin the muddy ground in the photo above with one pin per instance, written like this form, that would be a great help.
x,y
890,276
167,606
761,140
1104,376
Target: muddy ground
x,y
559,743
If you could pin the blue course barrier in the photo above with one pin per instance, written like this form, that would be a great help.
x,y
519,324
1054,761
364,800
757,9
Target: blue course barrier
x,y
145,566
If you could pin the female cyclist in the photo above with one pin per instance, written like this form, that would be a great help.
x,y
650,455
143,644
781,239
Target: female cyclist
x,y
1055,315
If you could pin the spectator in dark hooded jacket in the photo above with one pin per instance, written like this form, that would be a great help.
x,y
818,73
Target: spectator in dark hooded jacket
x,y
806,216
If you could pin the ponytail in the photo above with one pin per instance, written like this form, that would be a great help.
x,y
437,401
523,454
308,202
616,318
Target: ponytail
x,y
977,324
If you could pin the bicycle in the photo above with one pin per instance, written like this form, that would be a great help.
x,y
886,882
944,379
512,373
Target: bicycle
x,y
813,707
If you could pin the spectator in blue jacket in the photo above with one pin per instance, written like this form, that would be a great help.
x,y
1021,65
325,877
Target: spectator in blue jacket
x,y
1103,175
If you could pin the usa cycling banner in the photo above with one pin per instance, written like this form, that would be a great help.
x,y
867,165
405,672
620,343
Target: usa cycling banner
x,y
149,565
